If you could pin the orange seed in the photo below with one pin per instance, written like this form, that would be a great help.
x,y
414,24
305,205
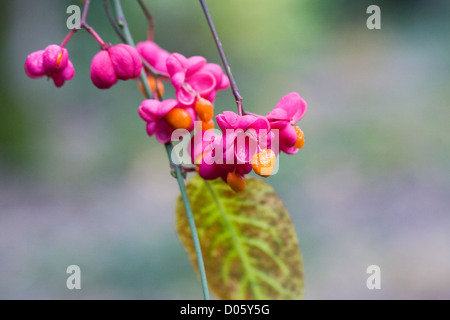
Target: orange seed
x,y
263,162
178,118
300,138
207,125
236,181
59,58
152,83
204,109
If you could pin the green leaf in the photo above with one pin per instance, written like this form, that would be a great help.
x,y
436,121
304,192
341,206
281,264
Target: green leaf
x,y
248,241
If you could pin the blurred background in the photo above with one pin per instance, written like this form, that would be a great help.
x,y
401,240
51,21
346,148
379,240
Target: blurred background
x,y
81,183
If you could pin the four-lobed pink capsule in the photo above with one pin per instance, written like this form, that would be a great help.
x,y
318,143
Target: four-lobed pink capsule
x,y
52,62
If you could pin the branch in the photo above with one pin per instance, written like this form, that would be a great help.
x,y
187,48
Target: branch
x,y
151,22
153,72
67,38
85,11
227,67
129,40
190,216
112,21
84,24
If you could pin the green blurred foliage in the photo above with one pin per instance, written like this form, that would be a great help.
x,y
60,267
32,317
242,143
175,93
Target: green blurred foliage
x,y
14,134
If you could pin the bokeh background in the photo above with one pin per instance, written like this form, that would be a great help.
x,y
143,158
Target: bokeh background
x,y
81,183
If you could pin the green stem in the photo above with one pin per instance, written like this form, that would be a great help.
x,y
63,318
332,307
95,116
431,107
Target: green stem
x,y
226,65
151,22
201,267
190,216
122,22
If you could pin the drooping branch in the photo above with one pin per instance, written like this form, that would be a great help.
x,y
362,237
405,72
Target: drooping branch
x,y
225,63
112,21
178,170
84,25
151,22
67,38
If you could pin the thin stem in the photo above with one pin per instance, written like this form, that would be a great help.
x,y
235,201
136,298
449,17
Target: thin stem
x,y
150,36
252,114
84,25
112,21
191,221
127,37
129,40
85,11
156,75
227,67
122,22
89,29
153,72
189,169
93,33
67,38
151,22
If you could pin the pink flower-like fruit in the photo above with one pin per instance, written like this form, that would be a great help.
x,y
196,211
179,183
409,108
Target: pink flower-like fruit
x,y
283,117
119,62
154,55
163,117
52,62
228,155
203,148
193,77
241,139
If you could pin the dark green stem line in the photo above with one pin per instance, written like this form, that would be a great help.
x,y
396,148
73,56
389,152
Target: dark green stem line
x,y
151,22
223,57
112,21
190,216
201,266
120,17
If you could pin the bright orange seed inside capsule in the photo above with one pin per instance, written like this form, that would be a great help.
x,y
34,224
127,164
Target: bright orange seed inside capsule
x,y
207,125
59,58
264,162
236,181
300,138
178,118
204,109
152,83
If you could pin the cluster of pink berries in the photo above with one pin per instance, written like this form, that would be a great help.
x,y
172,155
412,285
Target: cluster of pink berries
x,y
244,143
249,142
